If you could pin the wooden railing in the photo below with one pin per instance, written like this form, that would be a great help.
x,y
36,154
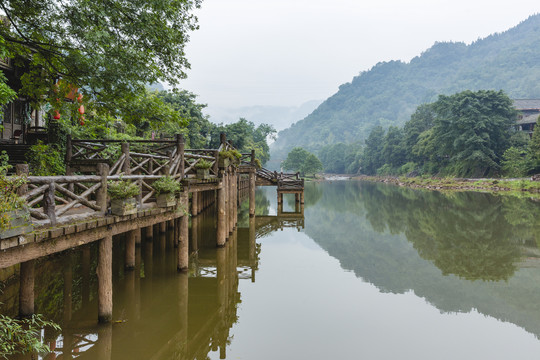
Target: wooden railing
x,y
91,164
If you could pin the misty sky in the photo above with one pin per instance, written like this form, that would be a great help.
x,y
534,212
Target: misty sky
x,y
286,52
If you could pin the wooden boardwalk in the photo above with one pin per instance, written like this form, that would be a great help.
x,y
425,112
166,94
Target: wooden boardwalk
x,y
73,210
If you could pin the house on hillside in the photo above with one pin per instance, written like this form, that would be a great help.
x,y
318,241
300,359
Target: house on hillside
x,y
529,110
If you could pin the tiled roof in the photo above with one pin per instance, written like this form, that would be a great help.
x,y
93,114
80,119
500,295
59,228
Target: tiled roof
x,y
530,119
526,104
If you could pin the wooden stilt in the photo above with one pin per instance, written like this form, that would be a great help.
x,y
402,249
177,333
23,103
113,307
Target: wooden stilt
x,y
130,249
26,290
195,204
183,245
104,273
221,215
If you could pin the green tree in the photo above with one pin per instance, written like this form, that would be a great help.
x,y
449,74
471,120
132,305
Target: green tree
x,y
295,159
534,147
372,158
472,129
312,165
514,162
111,49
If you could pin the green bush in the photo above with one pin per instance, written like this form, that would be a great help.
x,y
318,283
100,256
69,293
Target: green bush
x,y
122,189
22,336
166,185
45,160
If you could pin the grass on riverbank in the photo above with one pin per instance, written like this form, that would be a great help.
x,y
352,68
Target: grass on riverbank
x,y
508,185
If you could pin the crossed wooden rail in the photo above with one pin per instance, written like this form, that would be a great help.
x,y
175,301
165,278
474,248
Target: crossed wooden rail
x,y
91,164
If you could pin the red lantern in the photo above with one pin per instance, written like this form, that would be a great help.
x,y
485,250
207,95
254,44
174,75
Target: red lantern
x,y
81,109
79,98
56,115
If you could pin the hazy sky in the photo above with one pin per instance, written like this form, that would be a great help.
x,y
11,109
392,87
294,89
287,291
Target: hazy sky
x,y
286,52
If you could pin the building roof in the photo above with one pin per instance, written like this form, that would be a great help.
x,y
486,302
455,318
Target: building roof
x,y
529,119
527,104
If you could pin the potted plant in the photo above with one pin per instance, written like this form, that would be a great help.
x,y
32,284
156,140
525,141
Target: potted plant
x,y
203,169
122,194
166,189
224,158
235,156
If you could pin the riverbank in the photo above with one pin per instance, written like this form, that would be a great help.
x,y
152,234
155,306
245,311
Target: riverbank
x,y
492,185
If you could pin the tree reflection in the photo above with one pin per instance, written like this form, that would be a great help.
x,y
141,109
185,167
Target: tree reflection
x,y
465,233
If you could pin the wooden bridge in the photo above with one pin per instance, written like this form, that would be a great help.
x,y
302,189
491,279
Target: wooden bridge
x,y
73,210
285,183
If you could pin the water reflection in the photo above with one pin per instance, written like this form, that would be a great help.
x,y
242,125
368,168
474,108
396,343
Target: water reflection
x,y
157,312
459,251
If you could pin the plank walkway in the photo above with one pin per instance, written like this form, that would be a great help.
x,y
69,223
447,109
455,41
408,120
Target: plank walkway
x,y
73,210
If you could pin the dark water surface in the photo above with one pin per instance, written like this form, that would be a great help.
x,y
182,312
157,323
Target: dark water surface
x,y
373,271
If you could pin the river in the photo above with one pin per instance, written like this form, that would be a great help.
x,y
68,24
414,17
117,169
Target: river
x,y
372,271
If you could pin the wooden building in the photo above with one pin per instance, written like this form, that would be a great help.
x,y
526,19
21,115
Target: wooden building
x,y
529,110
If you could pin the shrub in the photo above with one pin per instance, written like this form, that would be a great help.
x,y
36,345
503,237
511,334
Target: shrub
x,y
9,200
22,336
45,160
166,185
122,189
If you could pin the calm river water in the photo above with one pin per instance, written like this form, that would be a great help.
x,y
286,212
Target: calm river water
x,y
371,271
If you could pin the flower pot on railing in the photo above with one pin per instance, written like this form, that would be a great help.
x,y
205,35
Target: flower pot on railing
x,y
123,207
203,174
18,224
223,162
122,195
166,200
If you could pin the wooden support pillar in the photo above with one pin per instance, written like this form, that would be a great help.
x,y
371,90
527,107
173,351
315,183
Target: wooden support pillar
x,y
252,177
231,203
302,197
176,232
221,215
130,249
297,197
138,237
104,273
195,204
183,245
226,209
195,224
163,227
26,289
149,232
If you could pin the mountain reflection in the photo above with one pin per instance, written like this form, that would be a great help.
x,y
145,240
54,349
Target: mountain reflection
x,y
459,251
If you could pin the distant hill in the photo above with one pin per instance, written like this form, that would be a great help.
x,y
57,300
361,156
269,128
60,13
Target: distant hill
x,y
280,117
389,93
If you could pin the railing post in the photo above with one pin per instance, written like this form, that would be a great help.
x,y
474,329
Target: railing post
x,y
101,196
252,157
216,163
180,152
22,170
223,140
49,204
126,168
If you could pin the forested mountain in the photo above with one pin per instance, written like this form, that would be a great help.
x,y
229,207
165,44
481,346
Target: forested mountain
x,y
390,92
